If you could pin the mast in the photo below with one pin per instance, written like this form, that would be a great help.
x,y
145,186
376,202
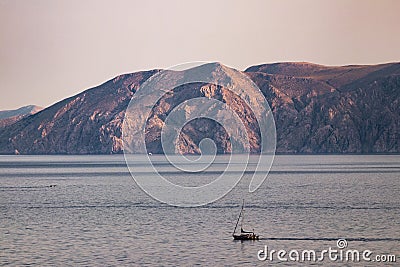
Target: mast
x,y
241,225
237,222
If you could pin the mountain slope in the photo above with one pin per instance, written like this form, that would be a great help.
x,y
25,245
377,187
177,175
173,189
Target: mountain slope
x,y
317,109
88,123
8,117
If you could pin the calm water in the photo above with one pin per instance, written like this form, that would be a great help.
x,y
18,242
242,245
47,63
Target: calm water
x,y
87,210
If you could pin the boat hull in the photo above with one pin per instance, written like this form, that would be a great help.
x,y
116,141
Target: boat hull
x,y
246,237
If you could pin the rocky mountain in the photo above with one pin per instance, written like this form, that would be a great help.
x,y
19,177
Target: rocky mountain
x,y
8,117
87,123
317,109
203,89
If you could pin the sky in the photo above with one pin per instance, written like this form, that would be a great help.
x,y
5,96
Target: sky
x,y
53,49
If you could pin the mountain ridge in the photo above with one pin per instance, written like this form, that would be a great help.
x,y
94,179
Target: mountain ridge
x,y
317,109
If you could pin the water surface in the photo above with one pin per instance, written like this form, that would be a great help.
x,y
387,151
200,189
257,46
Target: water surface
x,y
87,210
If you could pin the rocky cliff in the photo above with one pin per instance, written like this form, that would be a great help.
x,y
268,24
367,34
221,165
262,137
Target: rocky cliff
x,y
317,109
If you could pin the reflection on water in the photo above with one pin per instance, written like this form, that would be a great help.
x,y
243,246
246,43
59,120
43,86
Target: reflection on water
x,y
87,210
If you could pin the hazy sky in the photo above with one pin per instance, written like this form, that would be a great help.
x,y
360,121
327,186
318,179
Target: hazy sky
x,y
51,49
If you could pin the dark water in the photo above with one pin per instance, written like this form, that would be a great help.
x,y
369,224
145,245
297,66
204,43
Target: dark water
x,y
87,210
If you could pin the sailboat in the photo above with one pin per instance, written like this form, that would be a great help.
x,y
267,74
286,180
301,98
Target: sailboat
x,y
244,235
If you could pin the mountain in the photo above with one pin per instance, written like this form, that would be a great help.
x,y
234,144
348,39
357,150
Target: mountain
x,y
317,109
320,109
200,118
87,123
8,117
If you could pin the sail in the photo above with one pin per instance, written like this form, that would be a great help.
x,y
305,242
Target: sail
x,y
244,235
240,215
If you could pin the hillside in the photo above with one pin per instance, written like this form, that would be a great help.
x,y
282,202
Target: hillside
x,y
8,117
317,109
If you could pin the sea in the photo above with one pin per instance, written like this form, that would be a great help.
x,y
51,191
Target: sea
x,y
88,211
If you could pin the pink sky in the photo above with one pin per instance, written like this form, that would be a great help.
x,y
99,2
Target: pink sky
x,y
51,49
